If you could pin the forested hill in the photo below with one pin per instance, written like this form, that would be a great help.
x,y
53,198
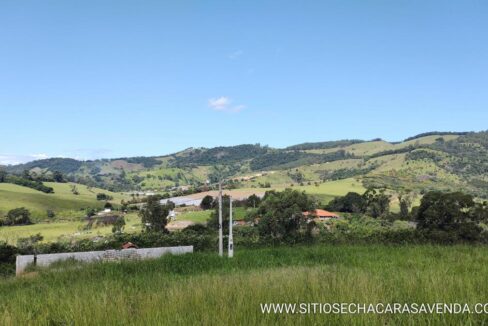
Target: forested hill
x,y
434,160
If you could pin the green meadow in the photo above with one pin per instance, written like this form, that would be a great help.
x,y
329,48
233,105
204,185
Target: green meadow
x,y
63,202
203,289
328,190
64,230
203,216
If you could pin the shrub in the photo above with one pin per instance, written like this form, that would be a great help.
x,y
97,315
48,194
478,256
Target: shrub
x,y
17,216
104,197
7,259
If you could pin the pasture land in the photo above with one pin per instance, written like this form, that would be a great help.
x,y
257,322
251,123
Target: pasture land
x,y
328,190
63,202
64,230
204,289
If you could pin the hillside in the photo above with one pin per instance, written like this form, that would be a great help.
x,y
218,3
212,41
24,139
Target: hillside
x,y
435,160
63,202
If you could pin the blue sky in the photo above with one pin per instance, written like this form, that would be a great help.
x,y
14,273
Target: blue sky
x,y
91,79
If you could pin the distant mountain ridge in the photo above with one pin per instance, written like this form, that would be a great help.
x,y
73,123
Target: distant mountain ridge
x,y
433,160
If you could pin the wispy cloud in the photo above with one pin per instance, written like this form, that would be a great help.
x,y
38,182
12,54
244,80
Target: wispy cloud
x,y
87,153
10,159
236,54
82,154
224,104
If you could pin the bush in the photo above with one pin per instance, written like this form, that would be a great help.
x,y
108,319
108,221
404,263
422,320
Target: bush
x,y
104,197
7,259
17,216
197,228
207,202
36,185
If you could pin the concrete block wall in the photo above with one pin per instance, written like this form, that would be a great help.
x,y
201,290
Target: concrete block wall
x,y
45,260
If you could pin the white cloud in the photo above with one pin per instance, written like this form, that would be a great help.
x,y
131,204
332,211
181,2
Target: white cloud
x,y
82,154
40,156
236,54
220,103
9,159
224,104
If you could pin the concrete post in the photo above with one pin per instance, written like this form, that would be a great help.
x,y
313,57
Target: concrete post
x,y
221,236
231,238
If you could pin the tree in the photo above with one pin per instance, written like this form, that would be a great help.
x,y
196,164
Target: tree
x,y
154,216
450,212
3,176
29,242
377,202
405,201
26,175
90,212
352,202
213,222
18,216
207,202
454,214
253,201
58,177
171,205
74,190
118,225
103,196
281,213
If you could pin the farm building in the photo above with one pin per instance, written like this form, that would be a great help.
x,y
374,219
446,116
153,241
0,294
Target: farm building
x,y
321,214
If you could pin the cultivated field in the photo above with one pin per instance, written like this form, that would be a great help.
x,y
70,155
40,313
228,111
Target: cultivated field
x,y
204,289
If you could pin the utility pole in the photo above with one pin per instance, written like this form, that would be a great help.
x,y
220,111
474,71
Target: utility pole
x,y
221,237
231,239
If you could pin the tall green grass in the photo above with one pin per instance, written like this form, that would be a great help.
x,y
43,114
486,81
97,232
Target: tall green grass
x,y
203,289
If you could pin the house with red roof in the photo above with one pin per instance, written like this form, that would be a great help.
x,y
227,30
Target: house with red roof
x,y
321,215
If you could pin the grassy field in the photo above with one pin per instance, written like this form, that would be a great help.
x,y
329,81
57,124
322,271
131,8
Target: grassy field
x,y
63,202
57,230
203,216
204,289
328,190
373,147
63,229
195,216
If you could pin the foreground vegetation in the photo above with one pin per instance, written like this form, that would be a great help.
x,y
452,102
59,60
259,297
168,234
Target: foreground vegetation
x,y
204,289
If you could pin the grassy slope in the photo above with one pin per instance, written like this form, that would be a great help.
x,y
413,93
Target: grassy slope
x,y
63,201
195,216
207,290
328,190
369,148
63,230
203,216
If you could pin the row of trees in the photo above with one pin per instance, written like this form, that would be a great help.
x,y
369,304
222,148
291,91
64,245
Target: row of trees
x,y
373,202
278,215
455,215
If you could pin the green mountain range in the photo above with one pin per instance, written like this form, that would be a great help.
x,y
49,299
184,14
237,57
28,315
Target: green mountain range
x,y
434,160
